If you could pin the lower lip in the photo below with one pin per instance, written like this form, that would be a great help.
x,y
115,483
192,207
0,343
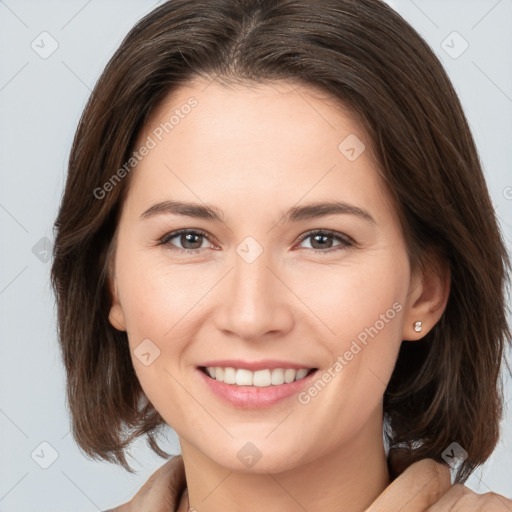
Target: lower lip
x,y
253,397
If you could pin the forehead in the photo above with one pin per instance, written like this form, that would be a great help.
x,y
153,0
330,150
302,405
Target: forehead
x,y
273,139
252,109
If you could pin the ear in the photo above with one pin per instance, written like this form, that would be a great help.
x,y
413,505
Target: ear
x,y
116,314
427,298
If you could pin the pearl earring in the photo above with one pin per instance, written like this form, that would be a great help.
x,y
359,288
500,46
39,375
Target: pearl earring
x,y
417,326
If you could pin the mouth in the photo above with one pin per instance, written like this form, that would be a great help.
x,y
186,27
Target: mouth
x,y
254,384
261,378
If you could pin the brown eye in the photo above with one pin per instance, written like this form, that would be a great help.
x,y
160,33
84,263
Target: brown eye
x,y
190,240
322,241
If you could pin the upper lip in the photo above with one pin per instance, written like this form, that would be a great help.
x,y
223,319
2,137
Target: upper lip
x,y
264,364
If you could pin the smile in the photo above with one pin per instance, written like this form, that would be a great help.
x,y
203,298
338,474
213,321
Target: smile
x,y
257,388
259,378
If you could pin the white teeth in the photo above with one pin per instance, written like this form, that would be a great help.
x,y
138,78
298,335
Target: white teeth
x,y
243,377
219,373
277,376
301,374
229,376
289,375
259,378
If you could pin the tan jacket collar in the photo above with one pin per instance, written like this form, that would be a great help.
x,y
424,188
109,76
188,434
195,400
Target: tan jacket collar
x,y
421,484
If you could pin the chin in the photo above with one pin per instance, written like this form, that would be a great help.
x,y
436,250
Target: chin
x,y
257,458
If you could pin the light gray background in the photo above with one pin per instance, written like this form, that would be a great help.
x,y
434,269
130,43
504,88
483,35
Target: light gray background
x,y
41,100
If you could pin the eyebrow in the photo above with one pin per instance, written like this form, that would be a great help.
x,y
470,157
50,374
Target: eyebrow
x,y
293,214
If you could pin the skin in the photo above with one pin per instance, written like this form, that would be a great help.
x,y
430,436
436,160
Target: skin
x,y
255,152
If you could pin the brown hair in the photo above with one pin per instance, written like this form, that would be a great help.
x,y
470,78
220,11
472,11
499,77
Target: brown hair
x,y
444,388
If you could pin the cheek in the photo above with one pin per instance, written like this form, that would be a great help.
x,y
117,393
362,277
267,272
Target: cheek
x,y
362,308
162,304
352,299
158,296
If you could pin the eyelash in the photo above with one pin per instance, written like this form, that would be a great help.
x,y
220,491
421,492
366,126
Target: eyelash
x,y
345,240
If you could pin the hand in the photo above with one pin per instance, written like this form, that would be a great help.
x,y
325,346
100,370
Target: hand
x,y
460,498
425,487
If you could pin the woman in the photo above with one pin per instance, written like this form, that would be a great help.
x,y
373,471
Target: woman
x,y
276,238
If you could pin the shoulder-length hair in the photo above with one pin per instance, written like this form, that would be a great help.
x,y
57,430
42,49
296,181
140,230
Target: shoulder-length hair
x,y
444,388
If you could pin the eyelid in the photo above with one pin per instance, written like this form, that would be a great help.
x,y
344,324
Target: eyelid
x,y
346,241
165,239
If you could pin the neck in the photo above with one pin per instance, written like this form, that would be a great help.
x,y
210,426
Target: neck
x,y
349,477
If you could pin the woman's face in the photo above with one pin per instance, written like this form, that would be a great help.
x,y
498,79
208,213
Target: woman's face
x,y
259,285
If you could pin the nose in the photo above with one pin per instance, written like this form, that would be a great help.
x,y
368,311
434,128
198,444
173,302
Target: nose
x,y
254,303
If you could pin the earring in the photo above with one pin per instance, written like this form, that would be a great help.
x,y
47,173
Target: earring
x,y
417,326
